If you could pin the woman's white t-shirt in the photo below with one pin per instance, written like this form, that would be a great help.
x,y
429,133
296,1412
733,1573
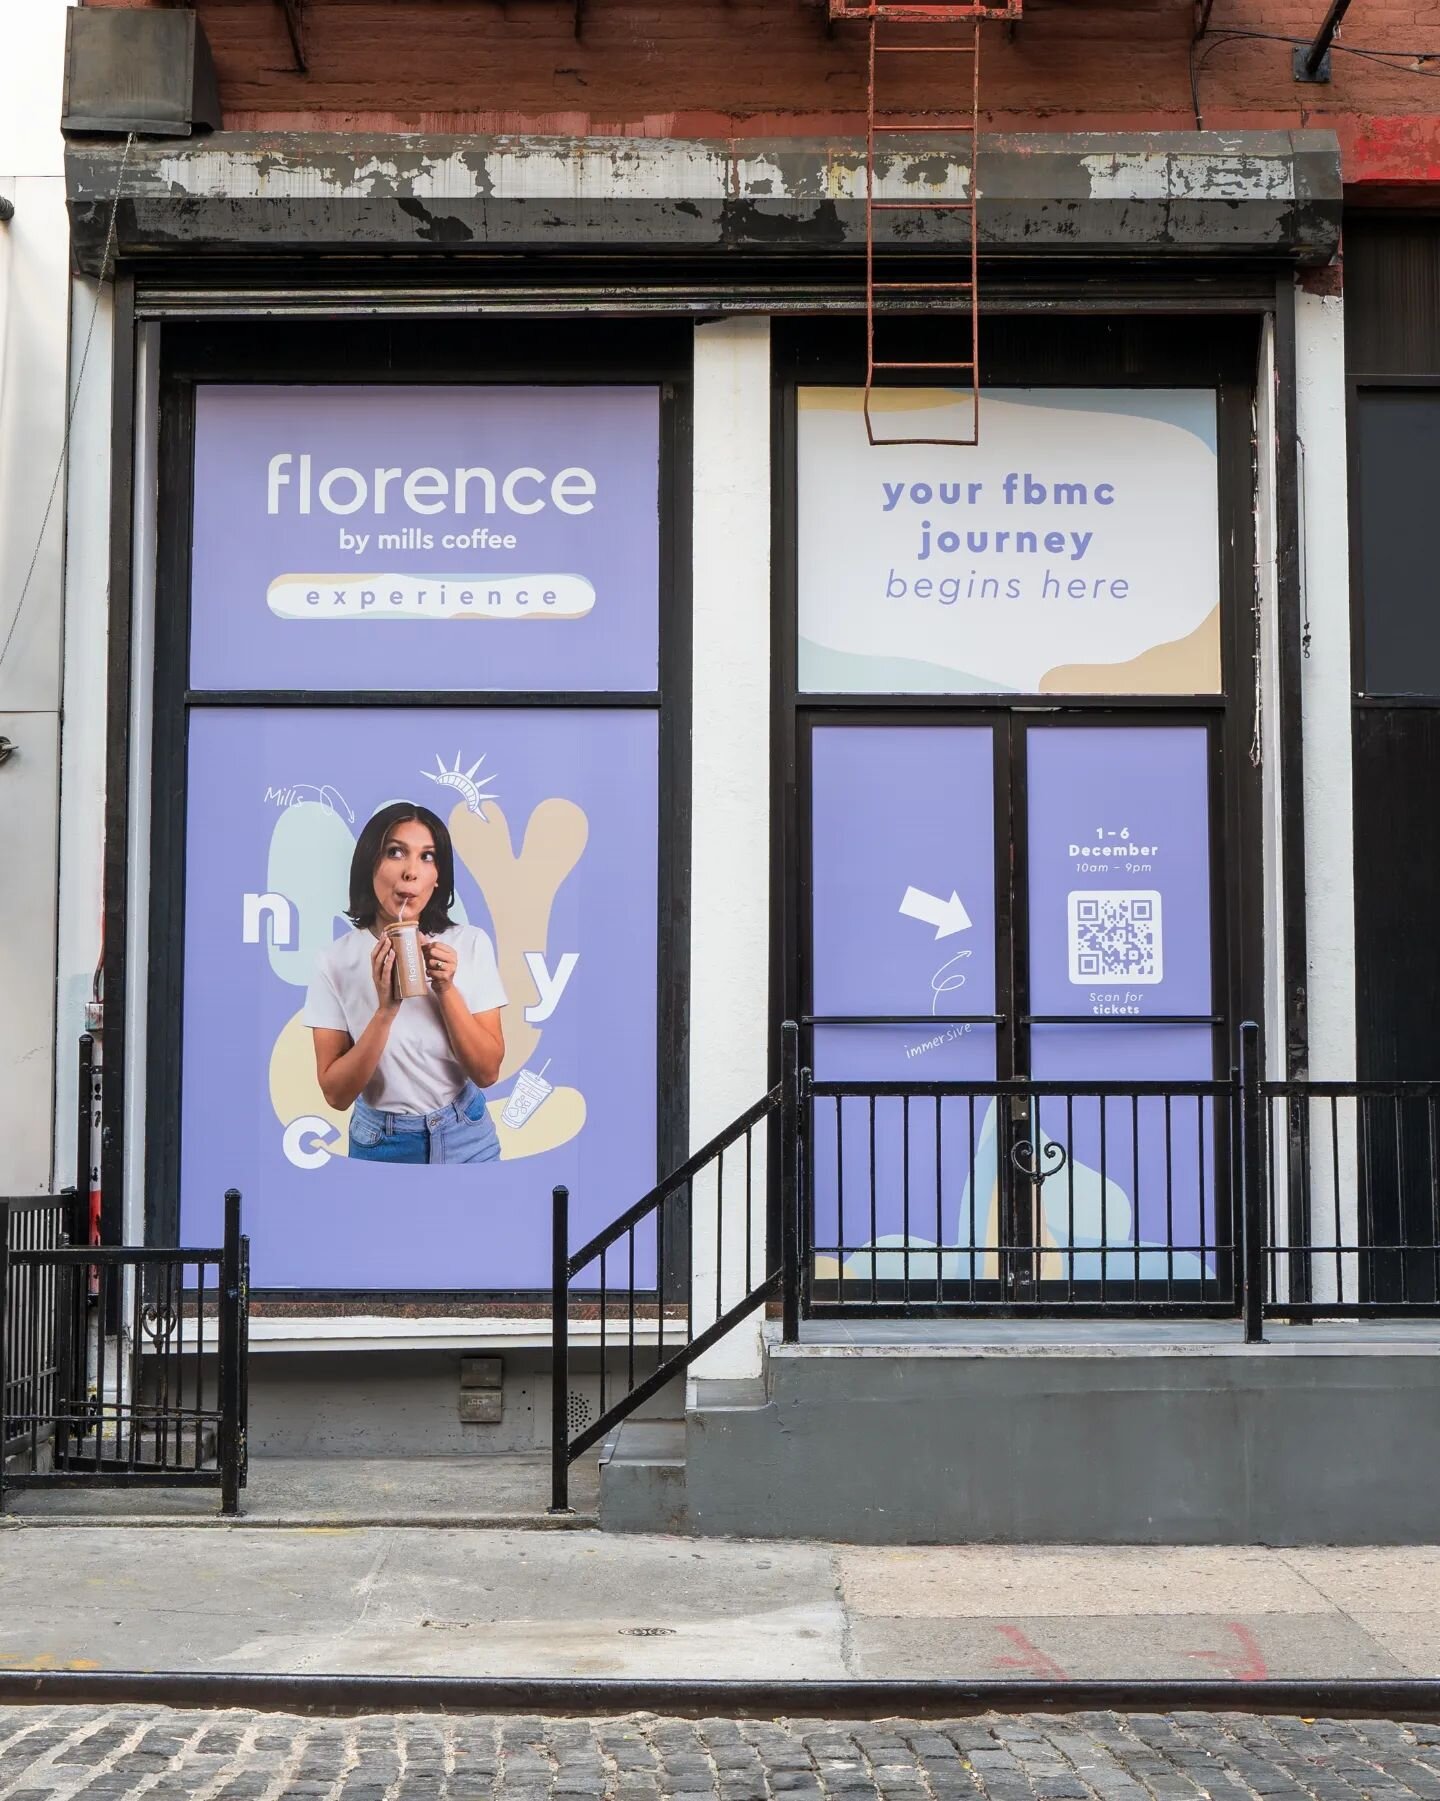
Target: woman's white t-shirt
x,y
418,1071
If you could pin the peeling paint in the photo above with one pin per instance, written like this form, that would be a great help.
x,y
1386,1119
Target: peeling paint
x,y
1161,194
435,228
1168,176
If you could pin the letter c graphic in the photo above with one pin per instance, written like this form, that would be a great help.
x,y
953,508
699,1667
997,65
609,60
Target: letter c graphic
x,y
316,1155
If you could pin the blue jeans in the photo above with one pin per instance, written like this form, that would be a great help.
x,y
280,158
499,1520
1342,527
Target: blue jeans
x,y
463,1132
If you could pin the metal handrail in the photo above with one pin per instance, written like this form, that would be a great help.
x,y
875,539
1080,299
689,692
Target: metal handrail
x,y
1321,1198
782,1103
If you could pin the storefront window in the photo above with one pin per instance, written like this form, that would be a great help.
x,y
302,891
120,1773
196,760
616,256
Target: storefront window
x,y
1074,551
322,514
357,550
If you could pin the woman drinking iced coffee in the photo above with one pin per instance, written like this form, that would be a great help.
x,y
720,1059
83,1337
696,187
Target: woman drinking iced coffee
x,y
405,1009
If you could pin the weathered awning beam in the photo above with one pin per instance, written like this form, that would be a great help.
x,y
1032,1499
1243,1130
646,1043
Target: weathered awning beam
x,y
1141,196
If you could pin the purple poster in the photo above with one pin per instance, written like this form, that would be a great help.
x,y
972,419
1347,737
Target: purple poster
x,y
902,922
1119,855
1119,893
506,1044
426,538
903,899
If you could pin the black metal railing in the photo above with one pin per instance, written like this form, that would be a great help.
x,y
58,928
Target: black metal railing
x,y
648,1293
30,1361
935,1199
1351,1191
1236,1198
121,1365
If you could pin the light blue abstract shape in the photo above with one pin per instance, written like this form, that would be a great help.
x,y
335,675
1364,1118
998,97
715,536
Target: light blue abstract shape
x,y
310,851
1187,409
1102,1210
1101,1240
886,1260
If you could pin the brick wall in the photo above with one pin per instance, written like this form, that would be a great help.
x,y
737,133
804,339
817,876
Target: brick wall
x,y
721,67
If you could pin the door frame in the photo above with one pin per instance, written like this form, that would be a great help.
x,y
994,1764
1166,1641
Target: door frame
x,y
368,352
1081,348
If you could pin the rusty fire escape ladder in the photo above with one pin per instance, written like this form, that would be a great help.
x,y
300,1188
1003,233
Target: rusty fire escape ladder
x,y
878,286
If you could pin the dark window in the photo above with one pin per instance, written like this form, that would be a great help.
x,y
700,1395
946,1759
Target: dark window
x,y
1398,432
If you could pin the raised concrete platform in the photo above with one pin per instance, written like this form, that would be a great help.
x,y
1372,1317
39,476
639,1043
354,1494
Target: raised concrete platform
x,y
882,1432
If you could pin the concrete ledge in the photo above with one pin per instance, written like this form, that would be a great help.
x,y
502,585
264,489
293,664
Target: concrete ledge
x,y
1084,1447
1269,195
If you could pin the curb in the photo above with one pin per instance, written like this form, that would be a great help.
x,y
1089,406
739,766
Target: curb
x,y
1416,1698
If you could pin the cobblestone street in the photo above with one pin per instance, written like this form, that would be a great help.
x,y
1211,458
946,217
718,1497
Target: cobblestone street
x,y
125,1753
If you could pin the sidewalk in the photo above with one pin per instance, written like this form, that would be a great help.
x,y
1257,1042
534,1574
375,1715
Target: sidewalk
x,y
446,1601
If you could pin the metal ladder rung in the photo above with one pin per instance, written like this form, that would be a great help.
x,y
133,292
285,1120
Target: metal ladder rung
x,y
950,296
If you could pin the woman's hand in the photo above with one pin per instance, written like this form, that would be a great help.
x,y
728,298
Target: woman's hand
x,y
382,969
441,962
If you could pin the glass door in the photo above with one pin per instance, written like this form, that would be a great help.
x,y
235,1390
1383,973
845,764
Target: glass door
x,y
1012,958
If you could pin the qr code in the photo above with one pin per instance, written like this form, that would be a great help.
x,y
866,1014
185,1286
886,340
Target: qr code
x,y
1115,937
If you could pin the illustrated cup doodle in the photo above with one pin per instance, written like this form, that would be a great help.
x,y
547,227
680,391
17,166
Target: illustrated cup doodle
x,y
531,1090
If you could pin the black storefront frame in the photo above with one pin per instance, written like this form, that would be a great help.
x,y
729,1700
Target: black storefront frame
x,y
1124,351
528,353
1010,730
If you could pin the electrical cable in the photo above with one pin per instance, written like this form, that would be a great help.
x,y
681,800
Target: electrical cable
x,y
74,399
1386,58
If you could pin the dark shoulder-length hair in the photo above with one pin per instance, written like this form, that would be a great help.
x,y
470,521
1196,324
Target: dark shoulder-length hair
x,y
435,915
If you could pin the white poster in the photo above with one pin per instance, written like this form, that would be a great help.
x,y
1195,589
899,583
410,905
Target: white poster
x,y
1074,550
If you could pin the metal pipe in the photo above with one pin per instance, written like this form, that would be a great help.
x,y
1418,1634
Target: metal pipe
x,y
790,1184
1312,63
1252,1183
560,1349
5,1217
231,1376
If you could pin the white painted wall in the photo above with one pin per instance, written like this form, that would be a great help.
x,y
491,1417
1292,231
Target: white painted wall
x,y
730,888
142,738
1326,684
1272,861
34,313
1329,805
82,743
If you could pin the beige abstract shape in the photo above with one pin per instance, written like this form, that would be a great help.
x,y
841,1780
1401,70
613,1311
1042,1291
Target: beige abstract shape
x,y
882,400
295,1091
548,1127
294,1086
1188,665
520,891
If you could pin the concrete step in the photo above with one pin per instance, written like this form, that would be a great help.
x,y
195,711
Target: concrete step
x,y
642,1478
723,1394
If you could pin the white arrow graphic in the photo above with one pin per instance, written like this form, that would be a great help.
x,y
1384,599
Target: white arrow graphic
x,y
947,916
